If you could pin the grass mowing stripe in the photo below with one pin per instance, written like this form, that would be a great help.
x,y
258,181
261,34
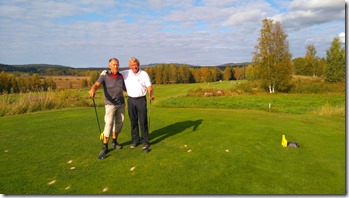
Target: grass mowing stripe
x,y
40,145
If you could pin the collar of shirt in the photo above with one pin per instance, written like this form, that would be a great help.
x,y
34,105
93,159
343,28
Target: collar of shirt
x,y
134,74
112,75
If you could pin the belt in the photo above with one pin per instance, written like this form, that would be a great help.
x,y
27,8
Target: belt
x,y
136,98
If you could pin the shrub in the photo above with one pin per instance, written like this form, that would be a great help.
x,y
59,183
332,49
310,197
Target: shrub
x,y
251,87
330,110
13,104
313,85
209,92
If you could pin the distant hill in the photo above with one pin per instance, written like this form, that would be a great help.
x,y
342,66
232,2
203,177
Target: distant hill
x,y
34,68
223,66
48,69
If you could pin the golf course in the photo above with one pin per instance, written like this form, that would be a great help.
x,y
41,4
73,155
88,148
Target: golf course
x,y
216,145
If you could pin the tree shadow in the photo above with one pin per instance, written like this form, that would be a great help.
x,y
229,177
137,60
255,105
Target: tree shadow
x,y
172,129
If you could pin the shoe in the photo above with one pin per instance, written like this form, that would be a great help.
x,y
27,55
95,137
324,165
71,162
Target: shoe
x,y
133,145
116,146
146,149
102,152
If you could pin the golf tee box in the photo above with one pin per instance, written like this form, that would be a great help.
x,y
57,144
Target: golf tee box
x,y
285,143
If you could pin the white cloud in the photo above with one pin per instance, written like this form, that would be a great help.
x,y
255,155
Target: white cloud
x,y
316,4
342,37
241,17
207,32
305,13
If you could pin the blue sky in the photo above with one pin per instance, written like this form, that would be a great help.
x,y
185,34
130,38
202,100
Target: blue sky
x,y
86,33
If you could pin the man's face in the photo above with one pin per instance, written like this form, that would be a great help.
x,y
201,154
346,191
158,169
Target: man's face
x,y
134,66
114,66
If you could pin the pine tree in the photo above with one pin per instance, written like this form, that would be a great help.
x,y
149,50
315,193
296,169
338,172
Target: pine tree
x,y
335,59
312,61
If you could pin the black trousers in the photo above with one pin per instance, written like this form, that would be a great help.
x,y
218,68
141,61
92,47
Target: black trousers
x,y
137,111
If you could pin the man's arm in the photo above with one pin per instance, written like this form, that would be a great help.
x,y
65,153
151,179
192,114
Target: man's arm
x,y
94,88
150,91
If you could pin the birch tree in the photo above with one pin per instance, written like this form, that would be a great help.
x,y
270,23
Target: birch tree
x,y
272,57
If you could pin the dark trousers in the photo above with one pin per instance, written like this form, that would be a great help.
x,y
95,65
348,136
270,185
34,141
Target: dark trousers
x,y
137,110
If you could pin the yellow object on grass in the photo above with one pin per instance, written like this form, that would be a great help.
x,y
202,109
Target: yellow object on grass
x,y
101,136
284,141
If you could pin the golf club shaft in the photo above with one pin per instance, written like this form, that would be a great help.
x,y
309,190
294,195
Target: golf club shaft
x,y
149,116
94,104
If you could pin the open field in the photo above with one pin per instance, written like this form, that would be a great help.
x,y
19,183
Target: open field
x,y
205,145
69,82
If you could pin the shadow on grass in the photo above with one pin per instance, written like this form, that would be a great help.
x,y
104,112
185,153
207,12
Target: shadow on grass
x,y
173,129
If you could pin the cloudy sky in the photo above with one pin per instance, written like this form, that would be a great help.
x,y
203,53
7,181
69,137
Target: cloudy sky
x,y
86,33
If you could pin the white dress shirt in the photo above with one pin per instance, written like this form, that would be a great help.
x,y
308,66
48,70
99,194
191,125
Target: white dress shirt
x,y
136,84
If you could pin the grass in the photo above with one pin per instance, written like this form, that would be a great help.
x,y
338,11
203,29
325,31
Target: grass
x,y
68,82
320,104
286,103
234,150
37,147
14,104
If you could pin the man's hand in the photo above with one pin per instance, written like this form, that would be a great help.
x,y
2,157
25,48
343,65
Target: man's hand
x,y
151,97
93,89
92,93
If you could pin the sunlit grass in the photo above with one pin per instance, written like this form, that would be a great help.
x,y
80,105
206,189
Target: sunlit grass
x,y
194,151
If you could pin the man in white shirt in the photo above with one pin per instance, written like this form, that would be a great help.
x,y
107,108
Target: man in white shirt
x,y
138,84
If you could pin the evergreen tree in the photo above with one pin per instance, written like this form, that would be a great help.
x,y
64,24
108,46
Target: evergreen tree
x,y
311,60
93,77
299,66
335,62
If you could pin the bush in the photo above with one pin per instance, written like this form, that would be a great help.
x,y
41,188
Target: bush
x,y
331,110
251,87
13,104
209,92
314,85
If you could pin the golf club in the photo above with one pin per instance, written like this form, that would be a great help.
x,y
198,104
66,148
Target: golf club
x,y
99,127
149,116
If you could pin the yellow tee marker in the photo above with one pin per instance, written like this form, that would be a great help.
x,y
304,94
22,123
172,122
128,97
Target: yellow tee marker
x,y
284,141
101,136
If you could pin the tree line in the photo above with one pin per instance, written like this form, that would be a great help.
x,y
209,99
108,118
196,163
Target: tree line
x,y
173,74
17,84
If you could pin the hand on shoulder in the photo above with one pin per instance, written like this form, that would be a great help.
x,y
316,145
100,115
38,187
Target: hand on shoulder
x,y
104,72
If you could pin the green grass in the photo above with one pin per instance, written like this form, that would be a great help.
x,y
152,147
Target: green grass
x,y
233,150
286,103
176,96
36,148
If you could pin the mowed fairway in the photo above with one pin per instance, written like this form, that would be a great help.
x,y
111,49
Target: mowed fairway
x,y
194,151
